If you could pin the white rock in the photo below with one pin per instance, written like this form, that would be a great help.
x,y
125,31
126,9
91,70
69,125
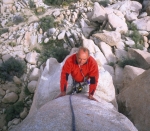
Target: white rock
x,y
130,73
111,38
143,33
17,80
19,54
34,74
56,13
98,13
16,121
61,35
51,31
32,57
33,39
32,86
142,15
8,1
2,93
121,54
118,78
129,42
143,24
117,23
6,57
46,40
110,69
24,113
10,98
120,45
142,57
107,51
86,29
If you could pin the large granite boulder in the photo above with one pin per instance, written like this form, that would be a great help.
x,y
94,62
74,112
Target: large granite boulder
x,y
134,101
142,57
111,38
130,73
90,115
143,23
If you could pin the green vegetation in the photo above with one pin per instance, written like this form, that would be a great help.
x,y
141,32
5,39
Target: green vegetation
x,y
18,19
136,37
3,30
125,62
12,67
111,64
104,3
26,91
54,48
58,2
14,110
12,44
46,23
39,10
31,4
36,49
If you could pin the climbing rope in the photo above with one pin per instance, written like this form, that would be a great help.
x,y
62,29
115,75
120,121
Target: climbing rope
x,y
73,116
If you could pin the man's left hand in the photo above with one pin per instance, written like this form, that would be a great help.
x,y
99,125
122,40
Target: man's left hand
x,y
92,98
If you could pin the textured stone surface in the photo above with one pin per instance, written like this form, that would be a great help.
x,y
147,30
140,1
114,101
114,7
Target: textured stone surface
x,y
134,101
89,116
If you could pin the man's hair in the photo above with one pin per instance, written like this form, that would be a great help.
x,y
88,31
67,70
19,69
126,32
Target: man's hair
x,y
84,49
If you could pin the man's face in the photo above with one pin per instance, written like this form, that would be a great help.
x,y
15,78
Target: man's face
x,y
82,57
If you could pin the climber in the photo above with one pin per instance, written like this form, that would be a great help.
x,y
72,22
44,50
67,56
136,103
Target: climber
x,y
80,65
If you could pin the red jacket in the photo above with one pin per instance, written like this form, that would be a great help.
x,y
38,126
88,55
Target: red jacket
x,y
89,69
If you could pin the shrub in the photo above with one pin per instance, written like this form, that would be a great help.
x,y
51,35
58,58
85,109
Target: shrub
x,y
12,67
14,110
138,46
26,91
3,30
104,3
46,23
57,2
136,37
12,44
125,62
39,10
18,19
111,64
59,54
31,4
54,48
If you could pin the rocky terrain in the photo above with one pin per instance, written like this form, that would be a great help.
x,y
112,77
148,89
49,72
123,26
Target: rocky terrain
x,y
40,36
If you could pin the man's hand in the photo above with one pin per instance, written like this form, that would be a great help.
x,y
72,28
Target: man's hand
x,y
92,98
61,94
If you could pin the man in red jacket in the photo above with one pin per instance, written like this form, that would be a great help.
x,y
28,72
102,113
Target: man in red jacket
x,y
80,65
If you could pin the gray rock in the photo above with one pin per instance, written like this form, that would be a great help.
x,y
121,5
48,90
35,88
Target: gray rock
x,y
129,74
32,86
10,98
142,57
89,116
136,98
34,74
51,31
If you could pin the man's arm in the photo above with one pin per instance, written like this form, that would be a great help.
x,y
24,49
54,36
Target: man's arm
x,y
66,69
94,75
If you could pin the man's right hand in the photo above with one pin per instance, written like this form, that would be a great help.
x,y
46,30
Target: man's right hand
x,y
61,94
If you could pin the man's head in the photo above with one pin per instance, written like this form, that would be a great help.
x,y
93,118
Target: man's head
x,y
82,55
